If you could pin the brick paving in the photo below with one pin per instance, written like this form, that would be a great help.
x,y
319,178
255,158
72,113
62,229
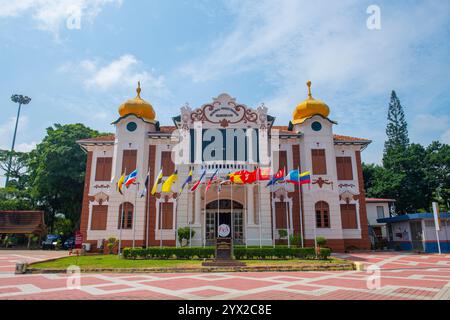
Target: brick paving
x,y
403,276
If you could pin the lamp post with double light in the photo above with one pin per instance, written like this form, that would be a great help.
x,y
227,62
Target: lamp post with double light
x,y
21,100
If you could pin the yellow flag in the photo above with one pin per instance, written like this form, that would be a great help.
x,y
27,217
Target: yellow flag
x,y
120,182
157,182
167,185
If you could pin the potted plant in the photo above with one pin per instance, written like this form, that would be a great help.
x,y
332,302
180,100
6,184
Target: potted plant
x,y
110,244
321,242
183,234
296,239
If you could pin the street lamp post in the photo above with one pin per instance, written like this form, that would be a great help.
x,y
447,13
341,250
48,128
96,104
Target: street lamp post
x,y
20,99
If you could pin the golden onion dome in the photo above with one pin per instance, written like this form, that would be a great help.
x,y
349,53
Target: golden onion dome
x,y
138,107
310,107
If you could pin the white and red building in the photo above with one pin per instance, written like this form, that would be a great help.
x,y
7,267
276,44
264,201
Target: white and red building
x,y
212,137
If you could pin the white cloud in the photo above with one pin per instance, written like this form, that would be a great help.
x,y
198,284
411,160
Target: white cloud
x,y
428,122
51,15
26,146
329,43
445,138
352,68
125,71
7,131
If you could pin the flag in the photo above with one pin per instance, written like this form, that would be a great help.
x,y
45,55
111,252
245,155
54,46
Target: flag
x,y
131,178
276,177
248,176
305,177
235,177
188,180
211,180
263,174
167,185
295,177
120,183
195,186
145,185
226,180
157,182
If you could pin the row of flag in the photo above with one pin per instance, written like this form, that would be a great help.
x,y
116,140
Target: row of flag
x,y
238,177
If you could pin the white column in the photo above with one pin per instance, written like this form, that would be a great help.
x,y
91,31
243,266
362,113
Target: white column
x,y
250,205
198,209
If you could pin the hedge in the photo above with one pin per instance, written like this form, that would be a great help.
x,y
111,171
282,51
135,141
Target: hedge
x,y
209,252
169,252
280,253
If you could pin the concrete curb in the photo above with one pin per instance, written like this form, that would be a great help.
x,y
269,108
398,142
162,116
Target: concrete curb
x,y
304,267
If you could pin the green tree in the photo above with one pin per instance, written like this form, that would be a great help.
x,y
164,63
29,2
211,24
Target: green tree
x,y
397,128
13,199
18,169
57,169
438,173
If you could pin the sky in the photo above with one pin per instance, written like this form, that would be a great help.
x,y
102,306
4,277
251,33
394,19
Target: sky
x,y
80,59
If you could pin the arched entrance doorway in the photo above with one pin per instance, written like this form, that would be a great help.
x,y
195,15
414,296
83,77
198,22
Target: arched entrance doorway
x,y
227,212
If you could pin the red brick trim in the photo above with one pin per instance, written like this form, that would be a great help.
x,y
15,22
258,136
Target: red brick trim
x,y
85,204
364,242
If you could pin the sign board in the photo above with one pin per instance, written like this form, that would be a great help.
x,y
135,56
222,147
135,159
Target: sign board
x,y
224,248
223,230
78,239
437,222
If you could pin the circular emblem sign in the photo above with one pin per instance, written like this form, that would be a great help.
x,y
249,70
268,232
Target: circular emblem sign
x,y
224,230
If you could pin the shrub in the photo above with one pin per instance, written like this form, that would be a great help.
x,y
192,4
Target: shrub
x,y
282,233
183,234
280,253
321,241
296,240
169,252
110,244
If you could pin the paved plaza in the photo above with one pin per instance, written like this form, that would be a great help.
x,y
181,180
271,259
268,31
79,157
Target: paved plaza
x,y
402,276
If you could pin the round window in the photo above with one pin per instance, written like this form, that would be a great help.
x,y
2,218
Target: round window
x,y
316,126
132,126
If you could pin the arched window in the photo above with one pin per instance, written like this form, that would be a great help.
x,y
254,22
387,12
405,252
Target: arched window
x,y
322,214
126,215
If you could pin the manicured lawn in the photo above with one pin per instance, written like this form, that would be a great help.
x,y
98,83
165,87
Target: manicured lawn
x,y
113,261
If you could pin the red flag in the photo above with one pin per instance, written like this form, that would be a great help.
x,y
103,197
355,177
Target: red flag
x,y
249,176
211,180
263,174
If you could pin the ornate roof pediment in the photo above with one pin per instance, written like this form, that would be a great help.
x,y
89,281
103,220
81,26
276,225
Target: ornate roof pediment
x,y
224,112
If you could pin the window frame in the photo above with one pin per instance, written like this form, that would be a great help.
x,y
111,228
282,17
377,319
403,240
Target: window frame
x,y
322,214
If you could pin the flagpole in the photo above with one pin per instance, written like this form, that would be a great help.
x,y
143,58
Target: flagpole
x,y
135,214
259,206
231,192
176,219
204,219
300,207
160,225
119,251
218,209
271,212
147,212
287,212
246,214
188,217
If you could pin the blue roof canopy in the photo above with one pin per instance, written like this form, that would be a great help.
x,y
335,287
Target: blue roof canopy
x,y
412,216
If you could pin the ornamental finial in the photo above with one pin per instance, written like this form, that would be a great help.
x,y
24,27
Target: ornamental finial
x,y
309,89
138,89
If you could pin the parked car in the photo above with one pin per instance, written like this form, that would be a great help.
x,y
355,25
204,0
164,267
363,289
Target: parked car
x,y
50,241
69,243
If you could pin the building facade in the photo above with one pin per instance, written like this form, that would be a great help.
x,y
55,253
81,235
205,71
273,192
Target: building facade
x,y
417,232
378,208
220,137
